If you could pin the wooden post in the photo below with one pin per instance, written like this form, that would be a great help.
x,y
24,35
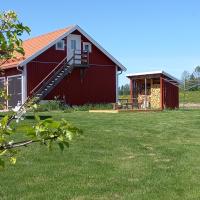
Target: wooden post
x,y
161,92
145,93
131,91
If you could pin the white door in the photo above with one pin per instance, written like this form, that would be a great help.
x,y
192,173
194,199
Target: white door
x,y
74,46
14,91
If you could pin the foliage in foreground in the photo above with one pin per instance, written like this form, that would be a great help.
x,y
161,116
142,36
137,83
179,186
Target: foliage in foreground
x,y
42,131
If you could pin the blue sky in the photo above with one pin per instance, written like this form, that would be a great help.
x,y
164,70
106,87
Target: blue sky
x,y
143,35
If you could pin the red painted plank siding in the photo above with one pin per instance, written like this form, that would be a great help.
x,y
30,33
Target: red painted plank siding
x,y
97,86
171,94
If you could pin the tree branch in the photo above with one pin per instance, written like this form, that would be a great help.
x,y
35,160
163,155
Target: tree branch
x,y
23,143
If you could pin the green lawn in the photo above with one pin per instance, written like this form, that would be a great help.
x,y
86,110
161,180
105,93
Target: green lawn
x,y
136,156
190,97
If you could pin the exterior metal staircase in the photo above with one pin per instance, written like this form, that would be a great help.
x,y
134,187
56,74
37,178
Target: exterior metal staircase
x,y
79,59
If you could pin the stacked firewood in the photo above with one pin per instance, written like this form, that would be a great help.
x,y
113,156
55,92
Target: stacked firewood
x,y
155,96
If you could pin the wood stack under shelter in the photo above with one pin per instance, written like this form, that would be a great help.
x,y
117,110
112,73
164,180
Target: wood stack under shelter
x,y
154,90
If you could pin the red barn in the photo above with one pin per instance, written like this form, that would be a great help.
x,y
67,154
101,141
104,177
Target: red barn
x,y
67,64
154,90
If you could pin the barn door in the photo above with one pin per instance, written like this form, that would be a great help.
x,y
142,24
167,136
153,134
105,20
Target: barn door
x,y
14,91
74,45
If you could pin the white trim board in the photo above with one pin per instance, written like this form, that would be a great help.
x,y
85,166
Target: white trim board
x,y
72,29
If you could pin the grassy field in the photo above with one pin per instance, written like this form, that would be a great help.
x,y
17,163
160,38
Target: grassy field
x,y
190,96
140,156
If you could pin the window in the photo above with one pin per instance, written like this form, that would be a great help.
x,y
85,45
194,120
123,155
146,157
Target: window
x,y
60,45
87,47
73,44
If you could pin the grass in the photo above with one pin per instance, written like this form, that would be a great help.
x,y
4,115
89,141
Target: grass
x,y
144,156
190,96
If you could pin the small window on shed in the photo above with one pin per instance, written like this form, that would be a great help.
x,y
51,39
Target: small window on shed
x,y
60,45
87,47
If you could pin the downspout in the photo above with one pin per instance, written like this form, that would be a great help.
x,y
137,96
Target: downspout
x,y
18,68
119,72
117,75
21,69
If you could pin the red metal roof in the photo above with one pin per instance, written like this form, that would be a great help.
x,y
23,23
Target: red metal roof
x,y
33,45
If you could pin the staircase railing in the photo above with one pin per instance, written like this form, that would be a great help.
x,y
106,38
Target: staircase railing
x,y
81,56
49,76
47,79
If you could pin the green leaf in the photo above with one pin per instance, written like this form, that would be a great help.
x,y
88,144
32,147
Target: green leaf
x,y
49,145
3,152
4,121
66,144
61,146
2,163
13,160
37,118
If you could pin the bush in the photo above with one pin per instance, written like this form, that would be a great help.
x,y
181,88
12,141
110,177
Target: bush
x,y
50,105
53,105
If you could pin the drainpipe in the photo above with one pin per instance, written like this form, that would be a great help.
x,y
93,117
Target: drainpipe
x,y
117,75
18,68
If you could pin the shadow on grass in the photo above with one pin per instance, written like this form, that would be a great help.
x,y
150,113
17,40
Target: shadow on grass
x,y
31,117
42,117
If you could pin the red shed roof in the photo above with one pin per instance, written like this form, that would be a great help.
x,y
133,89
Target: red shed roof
x,y
35,46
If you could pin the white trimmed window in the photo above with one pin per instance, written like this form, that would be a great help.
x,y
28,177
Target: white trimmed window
x,y
87,47
60,45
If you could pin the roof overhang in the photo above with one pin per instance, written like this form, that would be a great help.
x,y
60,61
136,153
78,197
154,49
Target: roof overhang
x,y
71,30
132,75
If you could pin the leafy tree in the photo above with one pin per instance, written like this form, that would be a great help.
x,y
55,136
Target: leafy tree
x,y
10,31
197,72
46,131
124,90
185,76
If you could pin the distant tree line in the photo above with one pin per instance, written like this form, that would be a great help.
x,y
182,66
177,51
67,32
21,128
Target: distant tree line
x,y
124,90
191,81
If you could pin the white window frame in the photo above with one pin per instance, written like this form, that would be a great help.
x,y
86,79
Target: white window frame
x,y
63,45
89,44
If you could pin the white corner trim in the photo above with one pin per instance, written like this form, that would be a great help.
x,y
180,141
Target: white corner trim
x,y
24,84
72,29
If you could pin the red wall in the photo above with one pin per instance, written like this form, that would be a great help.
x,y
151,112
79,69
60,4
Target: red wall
x,y
98,85
171,95
9,72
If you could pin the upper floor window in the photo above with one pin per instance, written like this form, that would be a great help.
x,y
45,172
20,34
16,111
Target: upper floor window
x,y
87,47
73,44
60,45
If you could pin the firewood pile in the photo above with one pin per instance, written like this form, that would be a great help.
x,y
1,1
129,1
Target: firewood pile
x,y
155,96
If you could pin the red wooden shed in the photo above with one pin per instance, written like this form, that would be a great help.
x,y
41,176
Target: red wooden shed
x,y
67,64
154,90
